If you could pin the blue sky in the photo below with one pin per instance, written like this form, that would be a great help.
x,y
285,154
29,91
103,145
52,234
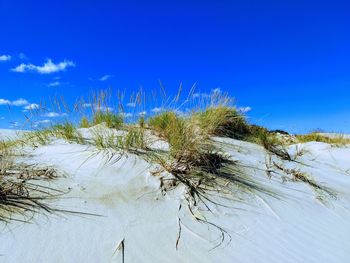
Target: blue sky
x,y
287,60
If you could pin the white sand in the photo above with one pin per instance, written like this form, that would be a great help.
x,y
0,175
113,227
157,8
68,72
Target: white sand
x,y
296,227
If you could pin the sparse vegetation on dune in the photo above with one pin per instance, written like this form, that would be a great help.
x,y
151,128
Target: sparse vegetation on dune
x,y
20,197
132,140
317,137
68,132
110,119
193,159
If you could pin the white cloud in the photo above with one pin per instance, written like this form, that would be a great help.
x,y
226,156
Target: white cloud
x,y
87,105
44,121
15,124
47,68
5,57
244,109
53,114
201,95
97,107
4,102
54,84
156,110
22,56
105,77
32,106
2,118
143,113
38,123
131,104
20,102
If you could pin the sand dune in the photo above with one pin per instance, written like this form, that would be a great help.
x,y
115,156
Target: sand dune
x,y
296,224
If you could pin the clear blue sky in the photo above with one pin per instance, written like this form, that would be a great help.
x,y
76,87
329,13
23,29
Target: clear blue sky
x,y
287,60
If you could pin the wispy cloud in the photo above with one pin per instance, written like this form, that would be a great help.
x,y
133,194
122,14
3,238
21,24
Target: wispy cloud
x,y
200,95
244,109
54,84
32,106
4,102
18,102
40,123
5,57
105,77
131,104
22,56
53,114
97,107
156,110
48,67
15,124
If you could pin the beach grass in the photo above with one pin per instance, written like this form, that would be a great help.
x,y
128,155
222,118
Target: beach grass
x,y
319,137
193,158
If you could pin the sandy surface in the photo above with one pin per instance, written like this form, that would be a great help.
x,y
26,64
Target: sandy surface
x,y
294,226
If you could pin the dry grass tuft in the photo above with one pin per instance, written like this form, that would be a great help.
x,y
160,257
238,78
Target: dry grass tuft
x,y
20,197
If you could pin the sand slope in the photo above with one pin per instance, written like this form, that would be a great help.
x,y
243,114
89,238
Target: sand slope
x,y
293,227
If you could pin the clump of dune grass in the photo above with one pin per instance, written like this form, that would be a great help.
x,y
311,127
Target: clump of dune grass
x,y
20,197
195,162
68,132
7,147
160,123
114,145
317,137
222,121
110,119
270,141
84,123
135,139
193,158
